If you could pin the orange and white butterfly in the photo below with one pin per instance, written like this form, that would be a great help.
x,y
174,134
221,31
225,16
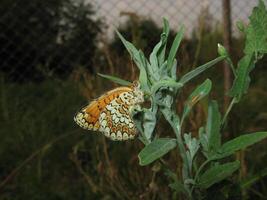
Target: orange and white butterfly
x,y
110,113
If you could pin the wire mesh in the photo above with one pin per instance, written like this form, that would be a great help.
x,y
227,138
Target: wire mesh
x,y
41,39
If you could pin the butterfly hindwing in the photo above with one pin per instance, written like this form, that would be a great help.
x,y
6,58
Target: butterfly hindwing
x,y
115,120
88,117
110,113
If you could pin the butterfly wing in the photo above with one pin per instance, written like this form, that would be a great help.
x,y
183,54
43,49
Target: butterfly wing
x,y
88,117
115,120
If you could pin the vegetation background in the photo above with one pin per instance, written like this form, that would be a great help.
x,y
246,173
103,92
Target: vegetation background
x,y
50,54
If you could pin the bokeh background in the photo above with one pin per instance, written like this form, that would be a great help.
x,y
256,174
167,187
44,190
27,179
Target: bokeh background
x,y
50,54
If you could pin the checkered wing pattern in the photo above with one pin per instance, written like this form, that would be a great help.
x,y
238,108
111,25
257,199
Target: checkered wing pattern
x,y
110,113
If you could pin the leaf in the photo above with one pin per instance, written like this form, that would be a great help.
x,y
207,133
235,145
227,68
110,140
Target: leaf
x,y
115,79
172,118
143,79
217,173
154,65
256,43
164,38
149,121
155,150
174,69
192,145
130,47
203,138
158,54
242,80
139,59
200,92
192,74
256,37
213,127
145,121
137,114
174,47
239,143
163,91
165,83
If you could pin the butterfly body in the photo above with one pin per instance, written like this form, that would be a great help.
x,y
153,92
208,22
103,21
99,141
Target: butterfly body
x,y
110,113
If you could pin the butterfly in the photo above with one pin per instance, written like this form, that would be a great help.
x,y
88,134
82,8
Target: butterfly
x,y
110,113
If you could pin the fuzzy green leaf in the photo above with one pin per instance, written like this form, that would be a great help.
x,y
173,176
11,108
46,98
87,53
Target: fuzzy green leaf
x,y
192,145
239,143
115,79
217,173
200,92
192,74
213,127
164,38
149,121
174,69
174,47
256,37
155,150
242,80
256,43
158,54
139,59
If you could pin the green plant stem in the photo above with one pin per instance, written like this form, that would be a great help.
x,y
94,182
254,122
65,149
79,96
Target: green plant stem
x,y
176,126
228,110
186,170
230,62
181,147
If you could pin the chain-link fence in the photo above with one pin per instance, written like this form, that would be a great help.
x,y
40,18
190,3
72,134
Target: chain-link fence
x,y
41,39
178,12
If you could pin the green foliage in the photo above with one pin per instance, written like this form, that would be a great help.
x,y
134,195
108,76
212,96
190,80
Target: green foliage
x,y
217,173
193,146
192,74
210,139
115,79
242,80
239,143
255,47
158,77
155,150
200,92
256,38
174,48
213,127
